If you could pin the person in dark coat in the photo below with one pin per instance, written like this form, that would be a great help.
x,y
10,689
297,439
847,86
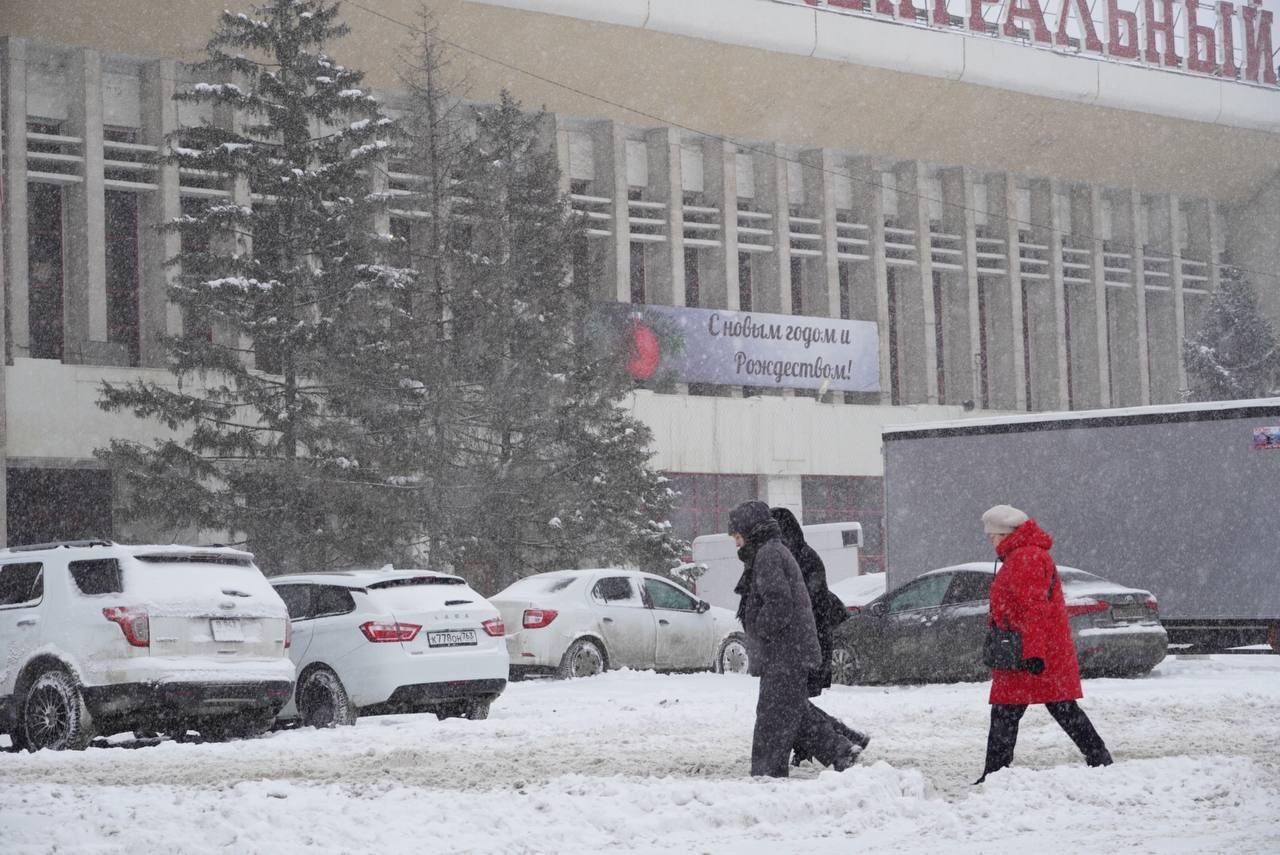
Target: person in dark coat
x,y
828,613
1026,596
775,612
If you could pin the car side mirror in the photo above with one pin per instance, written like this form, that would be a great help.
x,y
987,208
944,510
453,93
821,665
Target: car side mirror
x,y
703,607
879,608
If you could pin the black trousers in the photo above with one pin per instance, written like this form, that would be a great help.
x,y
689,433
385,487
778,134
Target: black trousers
x,y
785,718
1003,735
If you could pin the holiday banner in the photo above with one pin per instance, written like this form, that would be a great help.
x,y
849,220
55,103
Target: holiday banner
x,y
720,347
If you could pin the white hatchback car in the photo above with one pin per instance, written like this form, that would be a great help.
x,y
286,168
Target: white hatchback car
x,y
576,623
385,641
98,638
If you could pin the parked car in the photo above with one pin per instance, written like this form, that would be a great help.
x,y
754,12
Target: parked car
x,y
932,628
577,623
367,642
857,591
101,638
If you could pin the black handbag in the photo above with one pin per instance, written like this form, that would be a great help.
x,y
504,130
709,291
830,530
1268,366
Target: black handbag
x,y
1002,649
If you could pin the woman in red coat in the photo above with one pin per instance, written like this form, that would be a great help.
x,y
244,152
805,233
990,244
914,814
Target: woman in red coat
x,y
1026,597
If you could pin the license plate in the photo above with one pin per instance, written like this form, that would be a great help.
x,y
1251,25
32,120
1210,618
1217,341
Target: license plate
x,y
226,630
451,638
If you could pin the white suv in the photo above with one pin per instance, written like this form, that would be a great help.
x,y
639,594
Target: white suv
x,y
98,638
387,641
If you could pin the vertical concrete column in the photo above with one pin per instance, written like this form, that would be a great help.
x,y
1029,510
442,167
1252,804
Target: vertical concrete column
x,y
917,324
1006,376
664,282
1216,244
556,139
720,186
961,329
1047,312
1164,344
238,243
15,194
870,286
1178,240
784,491
1080,304
822,292
6,282
157,316
1139,232
85,283
1100,313
773,294
610,148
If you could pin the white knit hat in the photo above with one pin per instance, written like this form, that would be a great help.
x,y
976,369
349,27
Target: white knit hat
x,y
1002,519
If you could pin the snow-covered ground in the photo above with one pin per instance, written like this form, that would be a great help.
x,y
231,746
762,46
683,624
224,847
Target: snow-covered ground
x,y
658,763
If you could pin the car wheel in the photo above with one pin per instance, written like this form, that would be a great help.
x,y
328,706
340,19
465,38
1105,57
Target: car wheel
x,y
583,659
477,710
323,701
845,667
734,657
54,715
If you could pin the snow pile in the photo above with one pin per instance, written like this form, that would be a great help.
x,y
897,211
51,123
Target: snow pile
x,y
640,762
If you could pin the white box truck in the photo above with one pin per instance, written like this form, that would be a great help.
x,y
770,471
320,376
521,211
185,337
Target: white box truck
x,y
836,543
1178,499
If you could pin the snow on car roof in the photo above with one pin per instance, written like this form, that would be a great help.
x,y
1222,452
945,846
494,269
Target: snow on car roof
x,y
109,547
360,578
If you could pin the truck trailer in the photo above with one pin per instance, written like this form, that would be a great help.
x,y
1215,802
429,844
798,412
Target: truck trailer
x,y
1181,500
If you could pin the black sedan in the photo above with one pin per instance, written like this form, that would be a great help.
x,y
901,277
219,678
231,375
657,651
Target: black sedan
x,y
931,629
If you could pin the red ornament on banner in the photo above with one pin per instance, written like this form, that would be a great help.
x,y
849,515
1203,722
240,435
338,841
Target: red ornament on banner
x,y
645,353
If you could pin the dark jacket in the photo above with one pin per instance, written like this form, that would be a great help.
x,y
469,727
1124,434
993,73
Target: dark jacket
x,y
775,609
1027,596
828,609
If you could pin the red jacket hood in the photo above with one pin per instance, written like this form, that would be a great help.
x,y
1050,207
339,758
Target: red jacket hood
x,y
1027,534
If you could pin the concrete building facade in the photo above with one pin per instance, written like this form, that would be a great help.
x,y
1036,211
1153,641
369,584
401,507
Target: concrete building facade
x,y
1027,229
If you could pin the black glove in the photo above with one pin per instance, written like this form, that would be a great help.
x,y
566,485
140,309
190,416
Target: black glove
x,y
1034,665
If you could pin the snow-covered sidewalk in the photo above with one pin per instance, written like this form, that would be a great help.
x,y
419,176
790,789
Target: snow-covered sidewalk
x,y
650,763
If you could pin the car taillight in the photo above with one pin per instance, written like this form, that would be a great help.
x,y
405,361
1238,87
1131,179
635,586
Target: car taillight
x,y
133,622
1150,602
1273,637
538,618
494,627
853,610
377,631
1086,607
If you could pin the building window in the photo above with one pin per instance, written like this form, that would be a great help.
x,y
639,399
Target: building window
x,y
797,286
122,271
939,333
859,499
846,291
744,281
637,274
895,384
195,247
984,380
692,279
58,504
44,259
705,501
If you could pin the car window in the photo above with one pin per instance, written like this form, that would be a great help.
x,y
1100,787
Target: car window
x,y
21,584
970,587
664,596
330,600
616,591
921,594
297,599
98,576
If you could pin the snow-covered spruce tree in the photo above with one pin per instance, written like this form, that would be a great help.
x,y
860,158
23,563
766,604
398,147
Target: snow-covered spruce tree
x,y
545,468
1236,354
283,376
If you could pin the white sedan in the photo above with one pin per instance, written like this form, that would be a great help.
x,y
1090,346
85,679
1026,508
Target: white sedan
x,y
380,641
576,623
